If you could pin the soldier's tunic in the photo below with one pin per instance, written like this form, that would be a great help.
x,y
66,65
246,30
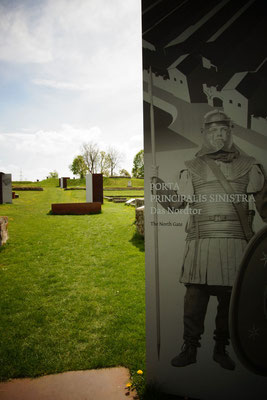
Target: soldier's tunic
x,y
215,239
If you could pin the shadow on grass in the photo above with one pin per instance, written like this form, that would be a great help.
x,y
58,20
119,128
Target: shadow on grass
x,y
69,214
138,241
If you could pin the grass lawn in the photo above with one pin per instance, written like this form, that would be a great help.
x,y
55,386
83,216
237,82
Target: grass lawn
x,y
124,193
72,288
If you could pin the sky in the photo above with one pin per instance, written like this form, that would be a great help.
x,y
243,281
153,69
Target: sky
x,y
70,73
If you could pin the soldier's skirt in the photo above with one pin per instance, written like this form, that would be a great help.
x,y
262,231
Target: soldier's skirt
x,y
212,261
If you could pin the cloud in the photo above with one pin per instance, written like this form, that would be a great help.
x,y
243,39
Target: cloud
x,y
45,150
92,46
72,32
50,143
20,41
60,85
49,83
41,152
78,64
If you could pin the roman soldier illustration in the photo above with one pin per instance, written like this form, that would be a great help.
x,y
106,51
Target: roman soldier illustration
x,y
234,188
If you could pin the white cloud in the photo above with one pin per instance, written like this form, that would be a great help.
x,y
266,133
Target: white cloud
x,y
20,42
45,150
79,62
38,153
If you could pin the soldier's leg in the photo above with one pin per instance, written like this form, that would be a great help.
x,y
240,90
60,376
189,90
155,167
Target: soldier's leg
x,y
195,307
221,333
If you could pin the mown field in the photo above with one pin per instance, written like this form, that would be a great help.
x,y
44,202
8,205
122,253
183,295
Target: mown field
x,y
72,287
107,182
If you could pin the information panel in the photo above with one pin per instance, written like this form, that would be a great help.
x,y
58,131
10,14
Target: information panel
x,y
205,134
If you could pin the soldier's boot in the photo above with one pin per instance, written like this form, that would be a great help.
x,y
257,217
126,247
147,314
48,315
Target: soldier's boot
x,y
221,356
187,356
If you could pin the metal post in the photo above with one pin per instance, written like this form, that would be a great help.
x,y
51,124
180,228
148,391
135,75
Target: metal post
x,y
154,180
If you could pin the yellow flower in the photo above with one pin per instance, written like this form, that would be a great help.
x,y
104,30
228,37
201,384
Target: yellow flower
x,y
140,372
128,384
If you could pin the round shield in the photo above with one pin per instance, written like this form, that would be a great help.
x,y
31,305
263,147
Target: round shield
x,y
248,309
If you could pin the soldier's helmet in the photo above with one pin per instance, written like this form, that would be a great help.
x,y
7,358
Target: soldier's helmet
x,y
216,116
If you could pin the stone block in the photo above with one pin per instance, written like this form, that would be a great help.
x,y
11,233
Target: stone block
x,y
130,202
3,230
5,188
140,220
76,208
63,182
14,195
108,198
119,200
139,202
94,188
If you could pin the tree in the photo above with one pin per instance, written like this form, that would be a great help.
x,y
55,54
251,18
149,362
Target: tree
x,y
90,153
124,172
138,165
53,174
78,166
103,163
114,158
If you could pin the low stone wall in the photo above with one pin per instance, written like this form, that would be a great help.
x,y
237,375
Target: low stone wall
x,y
119,199
3,230
140,216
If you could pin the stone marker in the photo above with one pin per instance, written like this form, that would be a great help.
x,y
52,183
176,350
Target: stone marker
x,y
5,188
139,220
63,182
129,184
140,201
139,215
94,188
3,230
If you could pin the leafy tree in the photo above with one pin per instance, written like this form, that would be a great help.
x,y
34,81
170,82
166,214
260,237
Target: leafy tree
x,y
124,172
78,166
114,158
53,174
90,153
138,165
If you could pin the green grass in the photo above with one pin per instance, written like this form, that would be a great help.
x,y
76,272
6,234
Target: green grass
x,y
107,181
123,182
72,288
124,193
50,182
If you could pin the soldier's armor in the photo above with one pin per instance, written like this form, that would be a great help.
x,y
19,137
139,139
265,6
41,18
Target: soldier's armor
x,y
217,219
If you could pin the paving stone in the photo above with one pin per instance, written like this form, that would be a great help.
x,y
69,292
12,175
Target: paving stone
x,y
101,384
